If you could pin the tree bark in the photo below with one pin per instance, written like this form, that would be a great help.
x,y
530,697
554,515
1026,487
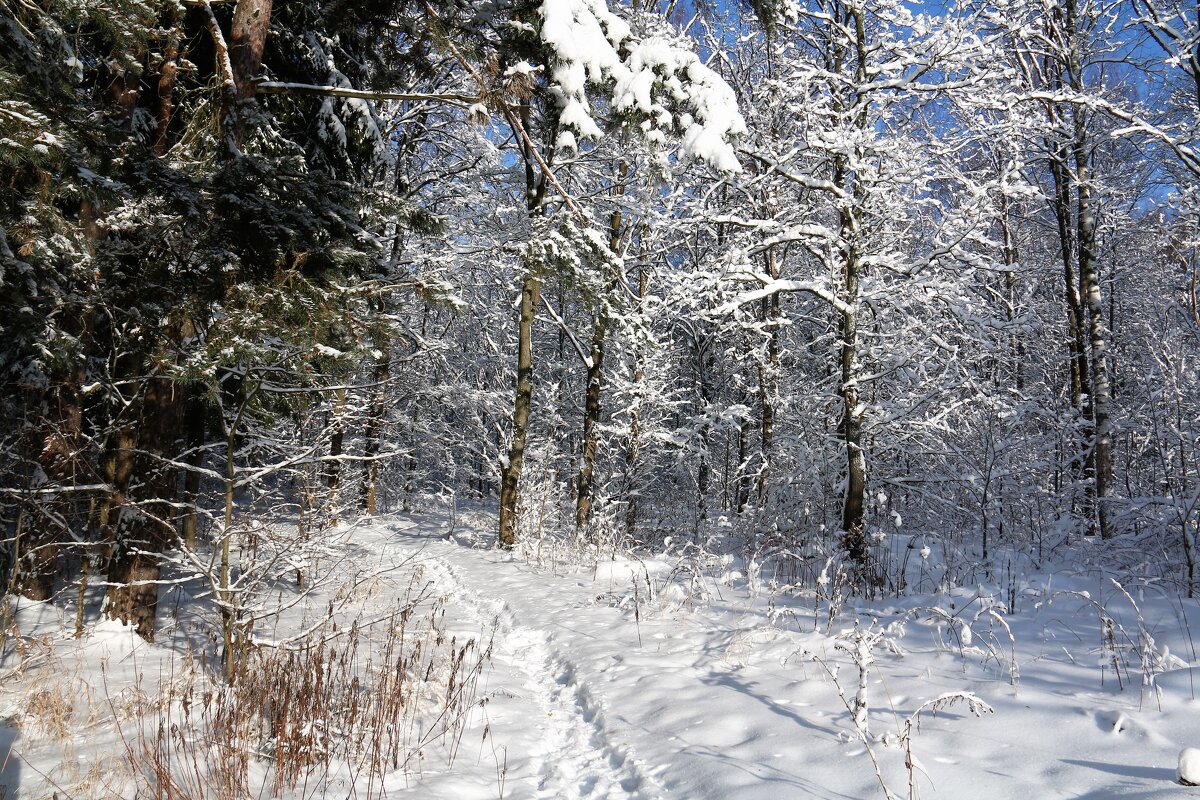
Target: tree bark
x,y
743,479
591,422
1068,246
1011,260
247,40
510,468
595,375
168,75
854,538
1100,450
196,428
853,509
635,423
144,528
369,492
768,375
333,472
531,292
704,468
242,60
1063,69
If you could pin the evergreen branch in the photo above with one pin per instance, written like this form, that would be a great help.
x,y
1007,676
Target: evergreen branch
x,y
282,87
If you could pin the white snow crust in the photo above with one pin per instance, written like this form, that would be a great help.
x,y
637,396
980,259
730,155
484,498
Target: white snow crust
x,y
653,678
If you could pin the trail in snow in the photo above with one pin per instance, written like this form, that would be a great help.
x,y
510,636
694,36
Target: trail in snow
x,y
580,757
708,696
633,681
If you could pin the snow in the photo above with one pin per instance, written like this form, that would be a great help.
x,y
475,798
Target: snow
x,y
326,350
1189,766
624,572
594,46
614,676
566,141
521,68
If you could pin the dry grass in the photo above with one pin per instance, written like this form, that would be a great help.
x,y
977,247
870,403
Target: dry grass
x,y
345,706
48,711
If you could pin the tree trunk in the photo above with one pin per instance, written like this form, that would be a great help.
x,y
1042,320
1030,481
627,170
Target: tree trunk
x,y
854,539
510,468
333,472
247,39
143,529
1011,260
1075,314
853,513
704,468
635,424
531,292
196,414
1100,451
591,422
368,494
168,75
1069,245
743,478
595,373
768,375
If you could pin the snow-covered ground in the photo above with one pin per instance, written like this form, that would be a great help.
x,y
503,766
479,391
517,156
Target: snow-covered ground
x,y
664,678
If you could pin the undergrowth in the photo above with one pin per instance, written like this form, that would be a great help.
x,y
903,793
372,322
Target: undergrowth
x,y
340,710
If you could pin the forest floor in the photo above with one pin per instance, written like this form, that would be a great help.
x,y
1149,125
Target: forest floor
x,y
672,677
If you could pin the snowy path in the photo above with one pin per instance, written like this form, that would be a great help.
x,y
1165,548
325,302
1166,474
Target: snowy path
x,y
597,692
710,700
579,757
607,705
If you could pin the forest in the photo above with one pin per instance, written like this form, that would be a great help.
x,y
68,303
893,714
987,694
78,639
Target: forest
x,y
837,304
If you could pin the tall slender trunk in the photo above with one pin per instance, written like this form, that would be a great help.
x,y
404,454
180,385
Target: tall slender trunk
x,y
531,291
196,428
635,422
1088,341
1067,249
1011,259
743,478
768,376
1100,450
145,527
1066,182
510,468
411,464
591,423
595,374
369,491
704,468
168,75
853,509
333,473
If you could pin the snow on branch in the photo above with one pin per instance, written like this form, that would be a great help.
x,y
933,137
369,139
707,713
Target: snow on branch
x,y
558,320
775,286
282,87
1135,124
649,77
